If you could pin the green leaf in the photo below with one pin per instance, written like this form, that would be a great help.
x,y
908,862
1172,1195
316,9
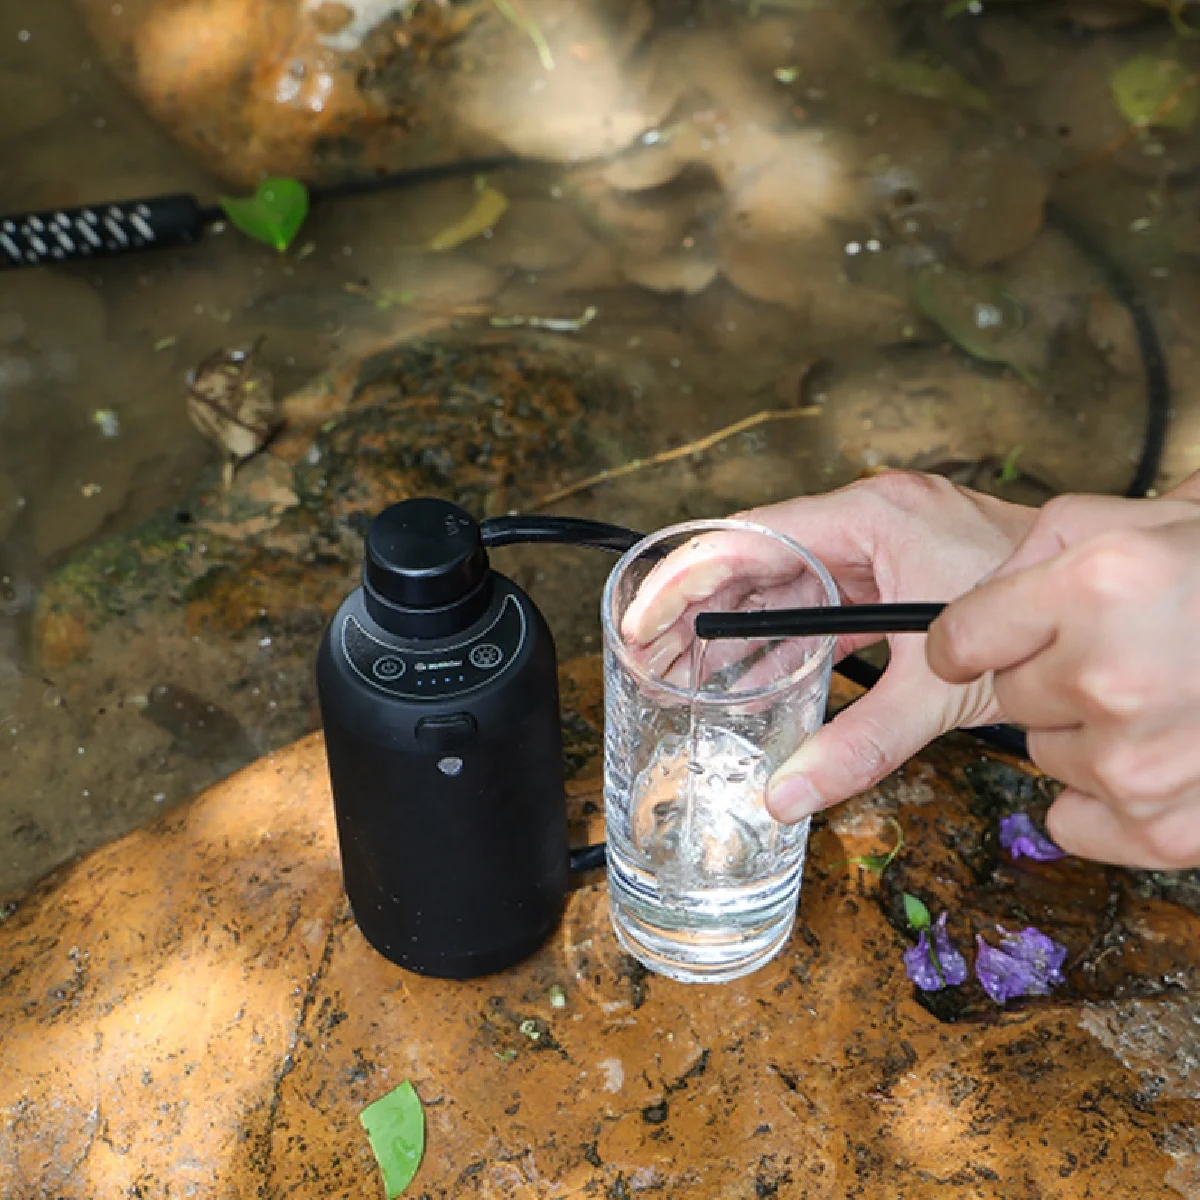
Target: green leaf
x,y
978,316
915,78
490,205
273,214
916,912
880,862
1008,472
871,862
395,1125
1149,90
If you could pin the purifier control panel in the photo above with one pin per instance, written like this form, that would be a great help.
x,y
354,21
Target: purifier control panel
x,y
439,674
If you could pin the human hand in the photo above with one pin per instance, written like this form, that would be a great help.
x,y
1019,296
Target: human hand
x,y
895,537
1091,636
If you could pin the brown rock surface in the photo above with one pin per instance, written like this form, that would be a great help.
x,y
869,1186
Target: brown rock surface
x,y
190,1011
286,87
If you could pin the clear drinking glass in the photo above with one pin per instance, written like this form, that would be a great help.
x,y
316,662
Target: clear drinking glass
x,y
702,882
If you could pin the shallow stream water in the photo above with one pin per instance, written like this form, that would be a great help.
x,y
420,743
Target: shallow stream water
x,y
792,203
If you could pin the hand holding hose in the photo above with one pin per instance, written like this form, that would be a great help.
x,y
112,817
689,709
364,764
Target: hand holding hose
x,y
897,537
1090,635
1080,621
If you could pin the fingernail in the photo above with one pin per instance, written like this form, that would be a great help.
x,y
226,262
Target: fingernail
x,y
663,610
791,798
664,655
642,624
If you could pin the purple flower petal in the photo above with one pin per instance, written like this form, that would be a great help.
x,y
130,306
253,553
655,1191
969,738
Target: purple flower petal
x,y
954,966
1036,949
918,963
922,961
1027,964
1022,839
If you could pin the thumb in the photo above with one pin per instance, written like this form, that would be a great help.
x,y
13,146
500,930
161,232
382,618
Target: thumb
x,y
898,717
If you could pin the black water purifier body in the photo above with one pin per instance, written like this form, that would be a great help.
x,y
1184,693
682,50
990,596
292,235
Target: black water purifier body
x,y
439,699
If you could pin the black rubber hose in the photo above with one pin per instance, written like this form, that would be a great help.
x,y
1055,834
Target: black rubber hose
x,y
559,531
1150,350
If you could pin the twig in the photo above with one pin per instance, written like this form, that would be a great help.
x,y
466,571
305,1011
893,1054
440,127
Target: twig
x,y
1117,144
530,27
665,456
553,324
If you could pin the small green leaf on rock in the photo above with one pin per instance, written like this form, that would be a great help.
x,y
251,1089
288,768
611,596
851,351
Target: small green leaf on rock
x,y
916,913
915,78
1149,90
977,315
1008,472
880,862
273,214
395,1125
558,998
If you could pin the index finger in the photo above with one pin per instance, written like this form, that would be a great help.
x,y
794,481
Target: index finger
x,y
997,626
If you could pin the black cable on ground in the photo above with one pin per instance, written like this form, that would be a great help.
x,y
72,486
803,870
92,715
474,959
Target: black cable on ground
x,y
1154,360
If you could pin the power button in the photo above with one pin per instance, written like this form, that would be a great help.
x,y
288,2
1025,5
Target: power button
x,y
440,735
388,667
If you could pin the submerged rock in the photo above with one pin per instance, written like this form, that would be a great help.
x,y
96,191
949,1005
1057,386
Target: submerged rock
x,y
226,594
321,91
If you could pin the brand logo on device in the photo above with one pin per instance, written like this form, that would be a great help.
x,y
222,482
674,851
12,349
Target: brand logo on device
x,y
445,665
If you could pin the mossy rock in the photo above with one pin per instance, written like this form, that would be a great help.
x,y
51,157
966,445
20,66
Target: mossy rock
x,y
488,426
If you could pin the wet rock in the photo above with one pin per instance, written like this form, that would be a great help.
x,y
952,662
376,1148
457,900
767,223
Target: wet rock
x,y
323,91
481,424
810,278
1023,50
251,90
1076,106
922,406
795,185
680,272
1111,329
992,204
197,726
595,101
62,639
234,1023
85,491
826,46
536,235
233,587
